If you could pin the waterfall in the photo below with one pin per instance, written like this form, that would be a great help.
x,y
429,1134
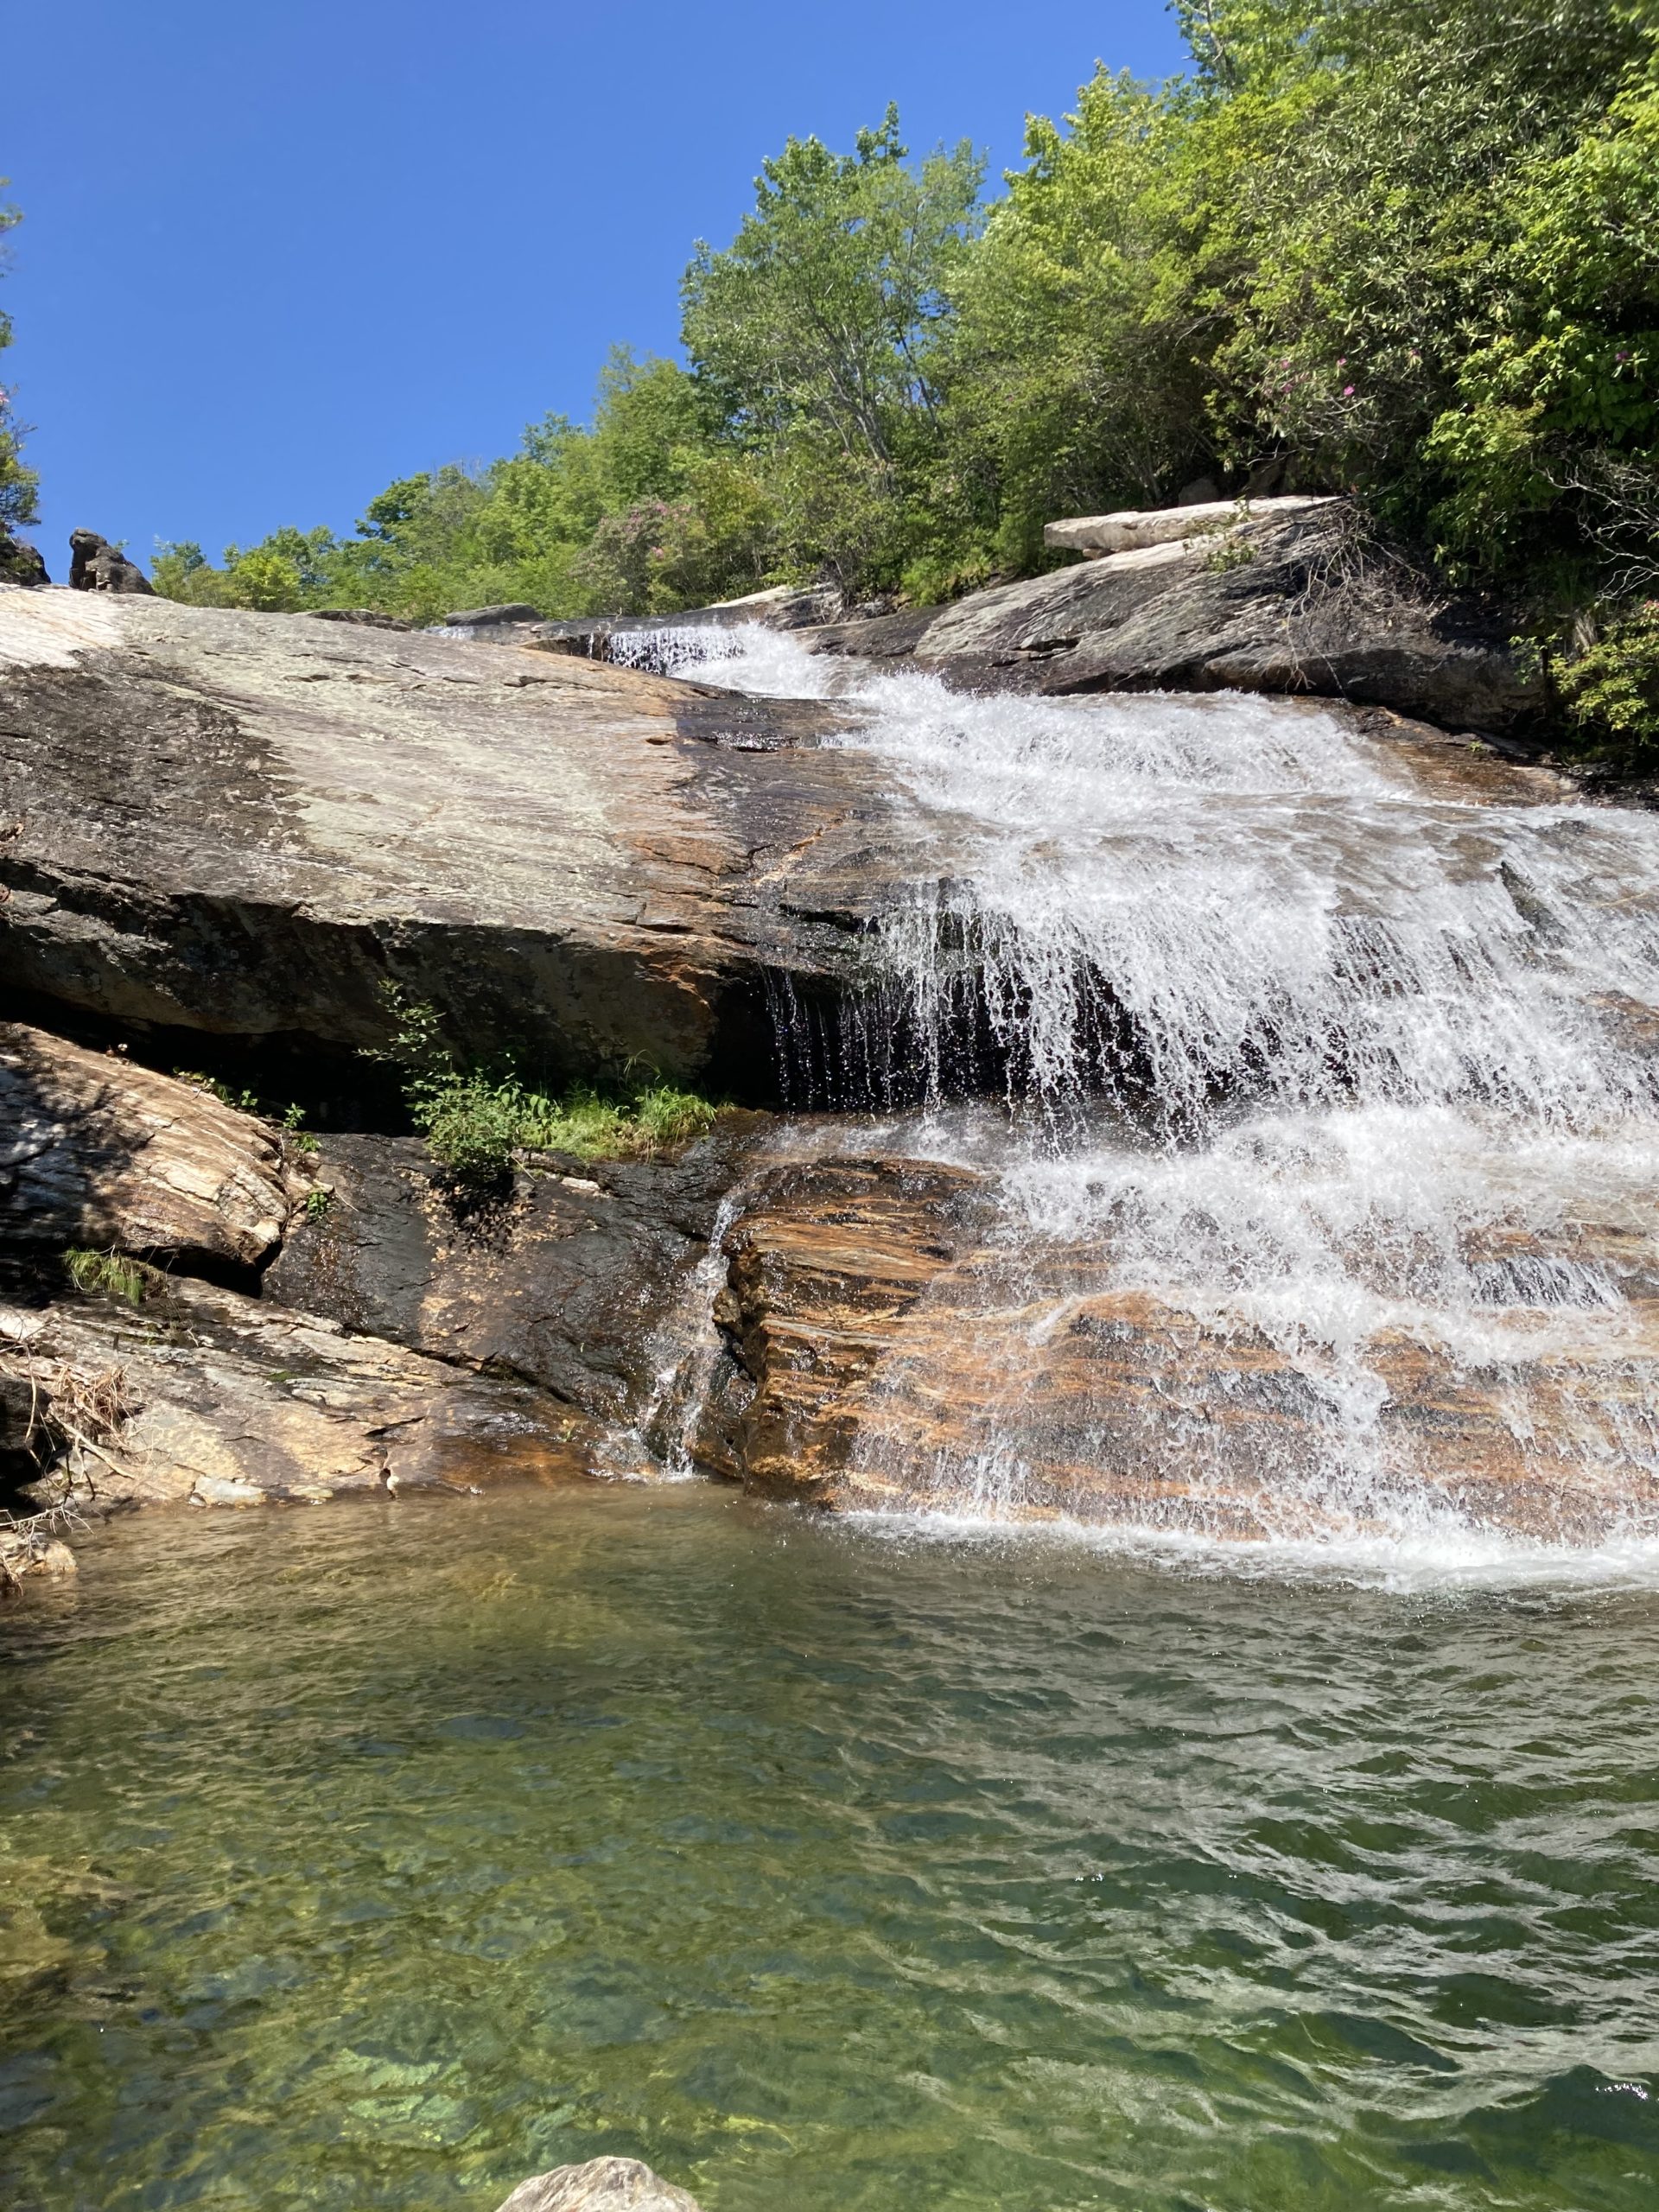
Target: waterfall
x,y
1332,1090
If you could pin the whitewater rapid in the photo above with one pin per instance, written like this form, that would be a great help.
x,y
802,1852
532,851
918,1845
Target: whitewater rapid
x,y
1303,1050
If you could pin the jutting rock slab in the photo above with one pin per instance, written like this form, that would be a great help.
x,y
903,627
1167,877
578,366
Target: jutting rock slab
x,y
200,1395
248,823
97,1151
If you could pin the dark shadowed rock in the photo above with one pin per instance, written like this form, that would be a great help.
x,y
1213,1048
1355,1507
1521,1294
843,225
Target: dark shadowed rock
x,y
561,1281
96,1151
1298,602
20,562
96,565
366,618
600,2185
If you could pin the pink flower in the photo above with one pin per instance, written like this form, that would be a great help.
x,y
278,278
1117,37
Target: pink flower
x,y
1347,391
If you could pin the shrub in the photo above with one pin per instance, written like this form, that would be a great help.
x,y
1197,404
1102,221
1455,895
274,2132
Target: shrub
x,y
1610,692
474,1121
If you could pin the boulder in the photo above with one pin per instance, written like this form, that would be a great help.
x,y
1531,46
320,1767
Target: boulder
x,y
248,824
366,618
1297,599
562,1281
885,1349
600,2185
1133,528
96,565
202,1396
97,1151
20,562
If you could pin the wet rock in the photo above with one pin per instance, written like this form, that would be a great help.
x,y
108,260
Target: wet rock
x,y
1301,602
96,1151
20,562
203,1396
600,2185
824,1267
886,1350
96,565
560,1281
246,824
28,1552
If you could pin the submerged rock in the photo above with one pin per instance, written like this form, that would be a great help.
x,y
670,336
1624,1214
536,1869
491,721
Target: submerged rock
x,y
98,1151
247,823
600,2185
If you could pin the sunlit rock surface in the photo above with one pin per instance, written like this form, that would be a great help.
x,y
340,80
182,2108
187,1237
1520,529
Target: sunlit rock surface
x,y
202,1396
98,1151
887,1347
246,824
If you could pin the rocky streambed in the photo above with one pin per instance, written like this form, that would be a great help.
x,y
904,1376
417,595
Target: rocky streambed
x,y
1200,1114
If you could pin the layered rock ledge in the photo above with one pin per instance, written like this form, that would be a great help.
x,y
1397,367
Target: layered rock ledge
x,y
245,824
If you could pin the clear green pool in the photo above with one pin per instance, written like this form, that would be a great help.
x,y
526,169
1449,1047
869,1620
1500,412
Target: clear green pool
x,y
378,1856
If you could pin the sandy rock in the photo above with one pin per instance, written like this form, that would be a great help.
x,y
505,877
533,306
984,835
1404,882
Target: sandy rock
x,y
203,1396
245,823
97,1151
600,2185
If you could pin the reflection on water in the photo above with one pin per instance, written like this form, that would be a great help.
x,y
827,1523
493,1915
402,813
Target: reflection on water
x,y
378,1857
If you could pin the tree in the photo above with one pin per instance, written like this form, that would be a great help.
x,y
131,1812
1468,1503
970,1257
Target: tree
x,y
817,333
18,485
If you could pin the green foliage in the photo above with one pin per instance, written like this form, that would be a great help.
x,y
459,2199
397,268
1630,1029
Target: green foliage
x,y
18,485
291,1117
1610,693
318,1202
106,1274
1405,251
475,1122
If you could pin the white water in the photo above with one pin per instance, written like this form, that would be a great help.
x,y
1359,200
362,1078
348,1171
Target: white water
x,y
1320,1062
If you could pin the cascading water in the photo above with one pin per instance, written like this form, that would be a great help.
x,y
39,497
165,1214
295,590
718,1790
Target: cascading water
x,y
1335,1103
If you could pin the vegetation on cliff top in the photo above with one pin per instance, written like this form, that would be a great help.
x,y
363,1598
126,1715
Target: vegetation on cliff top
x,y
18,484
1404,250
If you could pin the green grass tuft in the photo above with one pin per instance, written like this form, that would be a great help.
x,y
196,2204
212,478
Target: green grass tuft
x,y
106,1274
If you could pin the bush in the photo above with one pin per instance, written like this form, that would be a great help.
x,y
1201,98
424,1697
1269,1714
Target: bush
x,y
107,1274
1610,693
475,1123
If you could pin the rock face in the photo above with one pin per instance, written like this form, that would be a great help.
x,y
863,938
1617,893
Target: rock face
x,y
600,2185
246,824
884,1350
1298,604
96,565
205,1397
20,562
97,1151
561,1284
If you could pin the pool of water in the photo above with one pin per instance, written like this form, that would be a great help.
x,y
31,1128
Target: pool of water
x,y
381,1855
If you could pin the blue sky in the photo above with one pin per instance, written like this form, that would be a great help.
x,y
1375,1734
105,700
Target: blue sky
x,y
274,258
